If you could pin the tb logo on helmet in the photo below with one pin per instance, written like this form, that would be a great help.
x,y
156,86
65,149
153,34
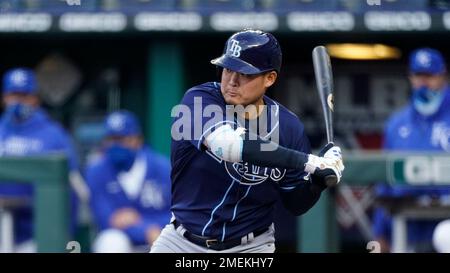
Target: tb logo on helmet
x,y
235,48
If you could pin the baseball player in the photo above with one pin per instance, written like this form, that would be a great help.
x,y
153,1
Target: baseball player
x,y
130,188
227,174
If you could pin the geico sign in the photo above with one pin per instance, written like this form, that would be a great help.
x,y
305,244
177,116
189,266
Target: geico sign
x,y
423,170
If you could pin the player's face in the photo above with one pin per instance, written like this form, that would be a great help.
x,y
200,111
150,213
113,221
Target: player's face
x,y
434,82
242,89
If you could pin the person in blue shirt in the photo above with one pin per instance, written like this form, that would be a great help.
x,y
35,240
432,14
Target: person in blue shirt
x,y
422,125
130,188
26,129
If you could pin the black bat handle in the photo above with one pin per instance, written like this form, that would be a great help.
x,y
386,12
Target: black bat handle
x,y
331,180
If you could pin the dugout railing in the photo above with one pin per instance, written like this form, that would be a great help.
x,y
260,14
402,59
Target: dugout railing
x,y
49,176
318,231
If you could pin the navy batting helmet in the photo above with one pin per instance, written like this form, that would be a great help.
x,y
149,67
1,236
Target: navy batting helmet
x,y
251,52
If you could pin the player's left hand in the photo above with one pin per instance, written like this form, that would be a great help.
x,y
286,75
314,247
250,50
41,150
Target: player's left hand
x,y
329,151
333,152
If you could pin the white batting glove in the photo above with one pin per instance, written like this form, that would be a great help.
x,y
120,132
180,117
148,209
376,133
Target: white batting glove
x,y
335,153
327,163
321,163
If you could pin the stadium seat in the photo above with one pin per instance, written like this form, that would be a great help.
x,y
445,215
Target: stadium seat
x,y
359,6
9,5
439,5
88,134
133,6
207,6
57,6
298,5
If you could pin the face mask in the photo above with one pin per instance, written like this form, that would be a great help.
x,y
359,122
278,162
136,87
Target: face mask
x,y
19,111
121,157
427,101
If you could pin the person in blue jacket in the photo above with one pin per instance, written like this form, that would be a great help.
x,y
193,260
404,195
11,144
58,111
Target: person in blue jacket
x,y
422,125
26,129
130,188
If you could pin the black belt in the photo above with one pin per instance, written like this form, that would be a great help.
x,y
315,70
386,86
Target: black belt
x,y
211,243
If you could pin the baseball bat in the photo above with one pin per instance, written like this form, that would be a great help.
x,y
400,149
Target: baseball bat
x,y
324,81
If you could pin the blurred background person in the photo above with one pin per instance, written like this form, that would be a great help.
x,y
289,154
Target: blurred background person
x,y
26,129
130,188
423,125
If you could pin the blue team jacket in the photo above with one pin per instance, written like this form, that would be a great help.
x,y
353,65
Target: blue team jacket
x,y
152,202
36,136
408,130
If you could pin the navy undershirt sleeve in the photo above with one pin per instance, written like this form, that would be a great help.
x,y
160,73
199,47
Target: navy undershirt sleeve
x,y
305,194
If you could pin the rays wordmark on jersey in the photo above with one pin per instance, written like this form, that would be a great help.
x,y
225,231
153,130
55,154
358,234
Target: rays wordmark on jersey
x,y
249,174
